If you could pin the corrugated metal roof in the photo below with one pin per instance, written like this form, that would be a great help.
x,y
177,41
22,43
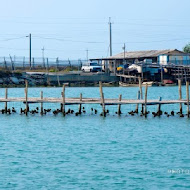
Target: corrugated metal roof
x,y
142,54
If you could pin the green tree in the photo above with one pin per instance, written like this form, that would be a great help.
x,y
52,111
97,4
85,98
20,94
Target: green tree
x,y
186,49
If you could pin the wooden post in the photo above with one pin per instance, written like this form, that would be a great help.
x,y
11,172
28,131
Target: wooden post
x,y
63,96
80,105
58,82
114,67
41,104
180,96
140,88
6,95
102,99
145,100
47,72
142,72
119,105
137,106
187,94
159,105
162,77
141,94
26,97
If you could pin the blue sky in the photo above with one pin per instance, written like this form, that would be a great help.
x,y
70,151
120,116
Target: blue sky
x,y
67,29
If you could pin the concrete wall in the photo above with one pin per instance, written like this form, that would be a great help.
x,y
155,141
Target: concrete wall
x,y
83,78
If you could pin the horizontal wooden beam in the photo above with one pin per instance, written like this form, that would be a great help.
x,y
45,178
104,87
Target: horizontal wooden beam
x,y
69,101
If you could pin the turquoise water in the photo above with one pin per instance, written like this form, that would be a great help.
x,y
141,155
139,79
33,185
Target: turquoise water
x,y
91,152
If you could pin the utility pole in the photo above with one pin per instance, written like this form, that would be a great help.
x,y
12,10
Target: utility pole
x,y
47,64
124,54
123,58
69,63
57,63
87,55
30,53
43,57
23,62
78,64
110,31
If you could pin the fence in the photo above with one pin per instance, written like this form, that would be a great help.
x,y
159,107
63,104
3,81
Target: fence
x,y
22,63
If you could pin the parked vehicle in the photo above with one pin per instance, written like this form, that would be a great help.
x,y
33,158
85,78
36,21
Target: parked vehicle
x,y
91,67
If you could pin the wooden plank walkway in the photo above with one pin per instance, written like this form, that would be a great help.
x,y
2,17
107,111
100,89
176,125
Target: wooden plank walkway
x,y
102,100
69,101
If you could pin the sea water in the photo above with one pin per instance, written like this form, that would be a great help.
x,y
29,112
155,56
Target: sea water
x,y
92,152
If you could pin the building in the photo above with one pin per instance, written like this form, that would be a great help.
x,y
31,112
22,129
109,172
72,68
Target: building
x,y
160,57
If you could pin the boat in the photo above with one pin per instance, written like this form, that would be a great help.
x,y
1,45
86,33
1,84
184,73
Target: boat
x,y
168,82
128,84
150,83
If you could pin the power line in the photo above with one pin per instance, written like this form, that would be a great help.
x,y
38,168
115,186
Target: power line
x,y
64,40
9,39
52,23
159,25
156,41
94,42
47,49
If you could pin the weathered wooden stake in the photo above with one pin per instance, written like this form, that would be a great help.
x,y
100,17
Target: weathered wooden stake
x,y
6,96
187,94
137,105
26,97
63,96
119,105
180,96
159,105
145,100
141,94
80,105
102,99
41,104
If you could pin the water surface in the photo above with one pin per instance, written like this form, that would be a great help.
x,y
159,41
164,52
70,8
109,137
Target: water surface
x,y
92,152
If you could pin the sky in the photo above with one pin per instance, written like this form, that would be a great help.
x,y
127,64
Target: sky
x,y
68,28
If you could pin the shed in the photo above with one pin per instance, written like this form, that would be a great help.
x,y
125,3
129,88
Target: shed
x,y
162,57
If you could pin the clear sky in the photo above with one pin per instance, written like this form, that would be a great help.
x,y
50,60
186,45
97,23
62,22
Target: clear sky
x,y
67,28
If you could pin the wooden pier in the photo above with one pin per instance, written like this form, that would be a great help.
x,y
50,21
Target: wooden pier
x,y
101,101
